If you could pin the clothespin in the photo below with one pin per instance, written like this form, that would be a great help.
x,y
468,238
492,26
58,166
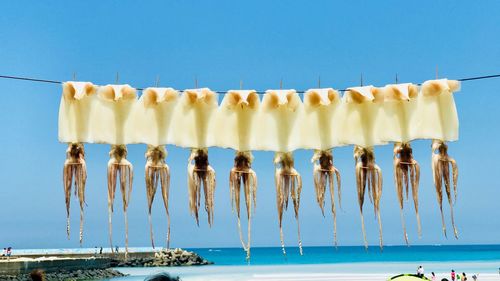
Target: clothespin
x,y
157,80
74,76
361,80
396,78
117,77
319,82
196,82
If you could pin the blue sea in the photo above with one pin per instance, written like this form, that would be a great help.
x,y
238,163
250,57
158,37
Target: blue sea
x,y
330,263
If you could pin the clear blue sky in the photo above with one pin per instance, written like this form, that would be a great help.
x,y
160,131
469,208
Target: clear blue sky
x,y
221,43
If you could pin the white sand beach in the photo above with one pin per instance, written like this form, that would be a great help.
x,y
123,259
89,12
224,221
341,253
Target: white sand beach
x,y
347,271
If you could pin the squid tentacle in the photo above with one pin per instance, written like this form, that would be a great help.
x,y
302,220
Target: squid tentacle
x,y
119,169
288,184
74,174
441,170
368,176
157,173
241,175
323,175
201,175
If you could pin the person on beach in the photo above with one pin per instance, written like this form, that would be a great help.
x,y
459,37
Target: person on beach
x,y
464,276
100,251
9,251
420,271
37,275
474,277
433,276
161,277
4,252
453,275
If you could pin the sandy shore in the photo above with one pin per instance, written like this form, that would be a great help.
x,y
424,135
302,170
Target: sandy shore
x,y
317,272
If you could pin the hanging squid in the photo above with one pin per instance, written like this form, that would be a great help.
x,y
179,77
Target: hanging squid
x,y
441,163
322,108
324,173
77,101
400,107
157,172
440,123
201,174
193,124
406,174
280,132
235,124
153,117
111,124
368,177
364,127
75,171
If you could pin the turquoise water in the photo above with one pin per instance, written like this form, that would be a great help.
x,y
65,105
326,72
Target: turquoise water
x,y
321,255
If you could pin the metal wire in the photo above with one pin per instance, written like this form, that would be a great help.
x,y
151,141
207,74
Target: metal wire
x,y
223,92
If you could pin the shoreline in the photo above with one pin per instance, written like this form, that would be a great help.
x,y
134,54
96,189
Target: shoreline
x,y
84,266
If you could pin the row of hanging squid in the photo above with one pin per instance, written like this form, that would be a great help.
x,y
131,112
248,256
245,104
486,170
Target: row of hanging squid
x,y
281,122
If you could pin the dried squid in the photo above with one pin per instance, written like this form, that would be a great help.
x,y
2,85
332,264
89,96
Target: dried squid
x,y
242,175
324,173
119,169
441,173
157,172
406,174
75,173
77,102
368,175
200,173
288,184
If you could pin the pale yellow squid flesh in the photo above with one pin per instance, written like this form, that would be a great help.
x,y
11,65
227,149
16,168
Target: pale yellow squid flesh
x,y
406,174
441,173
119,169
201,174
75,173
157,173
242,175
368,175
324,174
288,184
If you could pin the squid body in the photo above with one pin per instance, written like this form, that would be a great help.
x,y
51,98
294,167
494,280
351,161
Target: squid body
x,y
236,121
153,117
280,131
112,124
77,104
321,131
440,123
194,122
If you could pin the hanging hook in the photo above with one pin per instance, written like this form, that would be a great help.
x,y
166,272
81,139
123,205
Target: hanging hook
x,y
157,80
